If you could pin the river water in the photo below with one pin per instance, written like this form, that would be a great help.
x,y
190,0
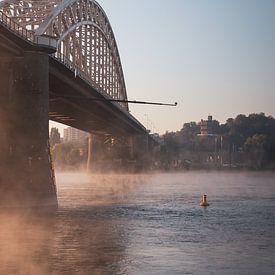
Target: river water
x,y
147,224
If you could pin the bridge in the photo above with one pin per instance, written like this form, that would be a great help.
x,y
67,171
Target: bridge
x,y
59,60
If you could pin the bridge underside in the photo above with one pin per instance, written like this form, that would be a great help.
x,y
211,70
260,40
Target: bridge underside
x,y
75,103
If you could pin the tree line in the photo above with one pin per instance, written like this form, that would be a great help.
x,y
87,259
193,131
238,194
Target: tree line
x,y
243,141
240,142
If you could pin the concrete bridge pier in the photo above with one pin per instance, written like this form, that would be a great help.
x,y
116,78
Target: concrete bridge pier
x,y
26,174
131,147
95,152
103,155
90,153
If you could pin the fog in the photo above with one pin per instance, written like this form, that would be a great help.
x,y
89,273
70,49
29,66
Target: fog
x,y
34,241
23,237
134,223
97,189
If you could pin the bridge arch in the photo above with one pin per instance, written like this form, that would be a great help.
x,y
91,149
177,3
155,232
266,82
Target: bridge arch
x,y
84,35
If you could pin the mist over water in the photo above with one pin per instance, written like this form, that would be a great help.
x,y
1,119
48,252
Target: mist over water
x,y
146,224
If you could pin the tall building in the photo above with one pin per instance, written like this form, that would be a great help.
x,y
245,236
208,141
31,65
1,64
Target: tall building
x,y
206,127
72,134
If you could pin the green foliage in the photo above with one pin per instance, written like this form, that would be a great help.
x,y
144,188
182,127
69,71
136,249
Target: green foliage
x,y
54,136
255,143
70,154
244,130
188,134
254,133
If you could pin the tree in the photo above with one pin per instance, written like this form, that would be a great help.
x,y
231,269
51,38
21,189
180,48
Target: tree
x,y
69,154
256,149
54,136
250,138
188,135
256,143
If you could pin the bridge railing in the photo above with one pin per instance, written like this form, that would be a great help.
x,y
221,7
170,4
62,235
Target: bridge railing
x,y
60,57
78,72
26,34
16,28
30,37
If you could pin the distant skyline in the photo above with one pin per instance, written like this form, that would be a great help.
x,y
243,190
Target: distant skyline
x,y
211,56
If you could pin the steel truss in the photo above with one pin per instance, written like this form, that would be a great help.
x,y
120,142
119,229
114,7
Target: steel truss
x,y
84,38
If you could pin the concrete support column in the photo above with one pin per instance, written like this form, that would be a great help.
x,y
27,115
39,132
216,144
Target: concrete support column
x,y
95,152
90,152
26,174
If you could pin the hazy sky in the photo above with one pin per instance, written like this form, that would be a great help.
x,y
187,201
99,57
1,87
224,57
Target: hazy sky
x,y
211,56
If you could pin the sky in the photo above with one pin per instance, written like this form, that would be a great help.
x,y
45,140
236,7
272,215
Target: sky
x,y
213,57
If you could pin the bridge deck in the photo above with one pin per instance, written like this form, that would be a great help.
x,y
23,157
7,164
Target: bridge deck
x,y
72,98
75,103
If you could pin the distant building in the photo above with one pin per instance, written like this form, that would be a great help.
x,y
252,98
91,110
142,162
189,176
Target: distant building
x,y
207,127
71,134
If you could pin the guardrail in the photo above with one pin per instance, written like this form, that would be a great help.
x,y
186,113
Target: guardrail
x,y
49,41
16,28
27,35
76,69
85,77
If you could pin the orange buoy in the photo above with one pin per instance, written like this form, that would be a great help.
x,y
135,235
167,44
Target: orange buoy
x,y
204,201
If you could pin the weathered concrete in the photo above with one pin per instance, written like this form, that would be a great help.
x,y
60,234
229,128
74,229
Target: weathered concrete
x,y
26,174
131,147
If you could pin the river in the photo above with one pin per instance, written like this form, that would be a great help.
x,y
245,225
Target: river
x,y
147,224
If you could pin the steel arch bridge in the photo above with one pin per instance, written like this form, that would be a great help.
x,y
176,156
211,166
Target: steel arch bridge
x,y
84,36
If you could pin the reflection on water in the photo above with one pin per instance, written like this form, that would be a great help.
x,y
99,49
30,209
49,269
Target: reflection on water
x,y
25,243
147,224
